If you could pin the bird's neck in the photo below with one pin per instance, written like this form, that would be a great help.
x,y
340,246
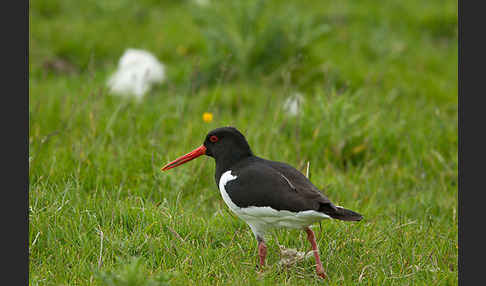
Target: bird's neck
x,y
225,163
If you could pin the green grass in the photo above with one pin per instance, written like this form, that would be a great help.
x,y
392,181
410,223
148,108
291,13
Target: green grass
x,y
378,126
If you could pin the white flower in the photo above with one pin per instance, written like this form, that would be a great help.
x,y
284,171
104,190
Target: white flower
x,y
293,104
137,71
201,2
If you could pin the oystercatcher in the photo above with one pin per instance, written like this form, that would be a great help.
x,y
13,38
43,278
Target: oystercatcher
x,y
265,194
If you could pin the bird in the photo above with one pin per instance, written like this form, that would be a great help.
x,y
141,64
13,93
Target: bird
x,y
265,194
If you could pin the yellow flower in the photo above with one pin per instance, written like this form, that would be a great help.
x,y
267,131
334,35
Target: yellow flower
x,y
207,116
359,149
181,50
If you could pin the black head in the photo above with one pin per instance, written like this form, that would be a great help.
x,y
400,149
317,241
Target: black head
x,y
226,142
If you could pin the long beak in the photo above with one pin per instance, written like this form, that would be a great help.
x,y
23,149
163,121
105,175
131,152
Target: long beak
x,y
201,150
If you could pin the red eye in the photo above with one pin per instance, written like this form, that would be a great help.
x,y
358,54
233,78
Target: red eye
x,y
213,139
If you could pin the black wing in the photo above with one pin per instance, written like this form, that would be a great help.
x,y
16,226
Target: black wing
x,y
301,182
307,189
259,184
281,187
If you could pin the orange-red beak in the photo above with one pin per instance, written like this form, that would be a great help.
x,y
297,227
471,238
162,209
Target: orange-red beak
x,y
201,150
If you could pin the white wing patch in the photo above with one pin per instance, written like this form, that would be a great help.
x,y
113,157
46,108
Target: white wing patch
x,y
262,218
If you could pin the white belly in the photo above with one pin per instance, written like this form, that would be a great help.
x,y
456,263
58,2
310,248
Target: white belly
x,y
260,219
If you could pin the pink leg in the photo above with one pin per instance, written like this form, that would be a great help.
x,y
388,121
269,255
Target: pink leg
x,y
262,252
312,240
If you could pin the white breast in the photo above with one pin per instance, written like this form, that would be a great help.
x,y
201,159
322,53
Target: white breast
x,y
262,218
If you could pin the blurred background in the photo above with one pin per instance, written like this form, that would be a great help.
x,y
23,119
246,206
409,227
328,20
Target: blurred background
x,y
365,91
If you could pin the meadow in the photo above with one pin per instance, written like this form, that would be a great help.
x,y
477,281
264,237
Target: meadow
x,y
378,127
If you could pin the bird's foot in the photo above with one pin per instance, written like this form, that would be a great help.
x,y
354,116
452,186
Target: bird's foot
x,y
260,271
321,273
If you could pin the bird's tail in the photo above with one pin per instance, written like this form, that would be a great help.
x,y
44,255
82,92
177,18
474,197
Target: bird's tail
x,y
340,213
